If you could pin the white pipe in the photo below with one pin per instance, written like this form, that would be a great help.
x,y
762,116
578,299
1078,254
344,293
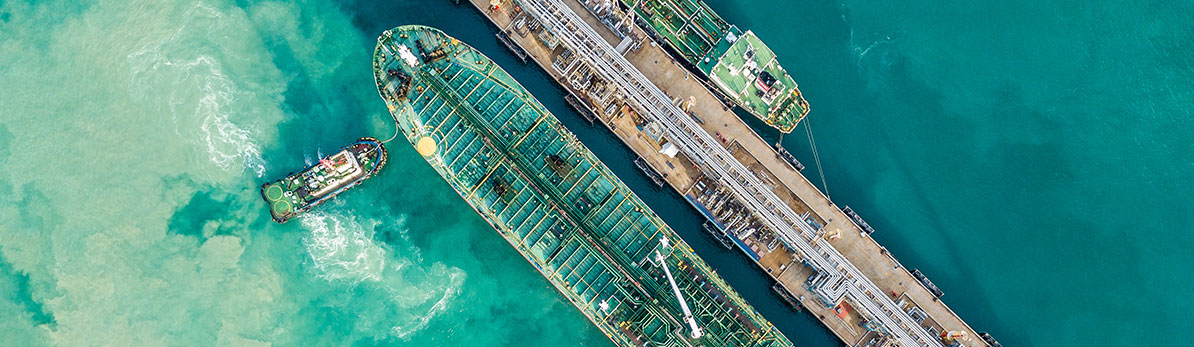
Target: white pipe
x,y
696,330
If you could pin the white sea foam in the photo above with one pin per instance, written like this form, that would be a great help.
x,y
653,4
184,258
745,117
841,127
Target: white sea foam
x,y
171,65
419,322
859,50
407,294
862,52
340,249
227,144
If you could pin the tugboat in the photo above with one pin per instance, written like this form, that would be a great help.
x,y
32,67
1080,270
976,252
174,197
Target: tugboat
x,y
333,174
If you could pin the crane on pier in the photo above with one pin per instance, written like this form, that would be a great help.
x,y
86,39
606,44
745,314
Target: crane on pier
x,y
692,324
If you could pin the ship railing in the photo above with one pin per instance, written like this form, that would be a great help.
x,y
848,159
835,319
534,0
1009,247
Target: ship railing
x,y
700,144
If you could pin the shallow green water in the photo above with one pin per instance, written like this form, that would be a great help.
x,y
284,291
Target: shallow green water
x,y
1034,159
134,137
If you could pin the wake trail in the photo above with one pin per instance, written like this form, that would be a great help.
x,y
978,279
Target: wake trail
x,y
402,295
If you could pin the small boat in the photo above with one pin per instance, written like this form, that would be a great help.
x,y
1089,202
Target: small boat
x,y
717,234
333,174
787,297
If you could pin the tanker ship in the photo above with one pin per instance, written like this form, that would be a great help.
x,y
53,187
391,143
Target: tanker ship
x,y
741,66
563,210
333,174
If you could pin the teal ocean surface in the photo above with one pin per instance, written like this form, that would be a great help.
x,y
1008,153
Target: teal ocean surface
x,y
1036,160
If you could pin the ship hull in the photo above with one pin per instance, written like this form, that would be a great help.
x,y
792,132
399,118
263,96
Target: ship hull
x,y
720,51
551,199
294,194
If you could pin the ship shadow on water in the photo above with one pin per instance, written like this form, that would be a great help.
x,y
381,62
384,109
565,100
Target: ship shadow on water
x,y
467,24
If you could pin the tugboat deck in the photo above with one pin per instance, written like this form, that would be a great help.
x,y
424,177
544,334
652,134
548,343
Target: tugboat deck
x,y
553,200
333,174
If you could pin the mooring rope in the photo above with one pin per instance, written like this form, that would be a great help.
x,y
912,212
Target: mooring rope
x,y
808,128
396,127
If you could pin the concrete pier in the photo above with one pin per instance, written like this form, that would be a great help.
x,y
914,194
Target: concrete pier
x,y
682,173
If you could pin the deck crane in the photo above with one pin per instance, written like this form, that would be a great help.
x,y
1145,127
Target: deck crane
x,y
696,329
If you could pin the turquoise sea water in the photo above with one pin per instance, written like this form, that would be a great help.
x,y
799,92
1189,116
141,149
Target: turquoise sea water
x,y
1034,159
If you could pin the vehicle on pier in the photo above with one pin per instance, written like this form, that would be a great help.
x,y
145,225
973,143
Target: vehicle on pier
x,y
550,197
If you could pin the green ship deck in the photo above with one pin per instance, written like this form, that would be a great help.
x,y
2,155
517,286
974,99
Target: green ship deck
x,y
738,72
554,201
690,26
332,175
720,51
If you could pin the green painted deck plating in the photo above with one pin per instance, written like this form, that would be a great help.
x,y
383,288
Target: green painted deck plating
x,y
720,51
689,26
550,197
298,192
738,73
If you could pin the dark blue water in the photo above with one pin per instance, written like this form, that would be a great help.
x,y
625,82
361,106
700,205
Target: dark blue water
x,y
1034,159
